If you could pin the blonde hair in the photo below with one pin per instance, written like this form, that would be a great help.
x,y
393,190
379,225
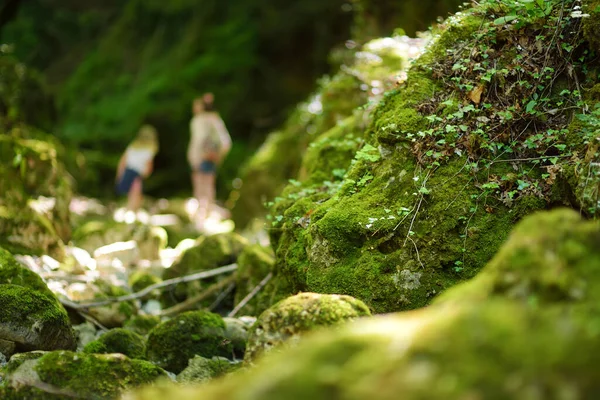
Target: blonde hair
x,y
147,138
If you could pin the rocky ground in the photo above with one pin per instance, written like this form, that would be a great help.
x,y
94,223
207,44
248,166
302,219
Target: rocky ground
x,y
460,198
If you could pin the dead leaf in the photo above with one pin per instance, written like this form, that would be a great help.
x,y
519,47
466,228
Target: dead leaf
x,y
475,94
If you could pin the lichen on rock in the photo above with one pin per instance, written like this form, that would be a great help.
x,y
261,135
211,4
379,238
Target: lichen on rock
x,y
289,319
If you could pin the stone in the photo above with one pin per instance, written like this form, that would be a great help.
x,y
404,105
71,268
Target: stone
x,y
288,320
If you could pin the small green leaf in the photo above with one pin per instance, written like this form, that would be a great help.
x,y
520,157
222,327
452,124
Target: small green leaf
x,y
505,19
530,106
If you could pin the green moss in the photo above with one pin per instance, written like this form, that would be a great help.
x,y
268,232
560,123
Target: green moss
x,y
254,263
95,376
140,280
34,320
172,343
591,26
208,253
142,324
296,315
17,359
202,370
12,272
548,258
118,340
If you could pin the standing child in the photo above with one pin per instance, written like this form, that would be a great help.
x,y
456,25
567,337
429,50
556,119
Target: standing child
x,y
135,165
209,144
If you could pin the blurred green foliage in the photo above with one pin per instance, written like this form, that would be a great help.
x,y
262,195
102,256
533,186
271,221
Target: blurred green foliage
x,y
113,65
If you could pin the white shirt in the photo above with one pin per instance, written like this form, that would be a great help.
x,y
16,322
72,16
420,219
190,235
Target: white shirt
x,y
202,126
137,159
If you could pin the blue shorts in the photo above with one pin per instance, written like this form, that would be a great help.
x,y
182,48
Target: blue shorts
x,y
124,184
207,167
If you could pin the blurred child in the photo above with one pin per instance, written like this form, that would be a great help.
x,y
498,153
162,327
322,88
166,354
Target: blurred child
x,y
209,144
135,165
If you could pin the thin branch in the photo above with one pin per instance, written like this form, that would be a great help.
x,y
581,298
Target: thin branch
x,y
250,295
169,282
189,303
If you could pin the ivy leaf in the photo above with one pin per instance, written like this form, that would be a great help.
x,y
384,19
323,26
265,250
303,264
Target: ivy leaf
x,y
530,106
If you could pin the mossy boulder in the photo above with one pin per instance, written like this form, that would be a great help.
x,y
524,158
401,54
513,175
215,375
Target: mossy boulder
x,y
118,340
36,193
445,167
141,279
366,73
112,315
549,257
31,317
254,264
525,327
142,324
208,252
34,320
201,370
171,344
236,332
287,320
64,374
12,272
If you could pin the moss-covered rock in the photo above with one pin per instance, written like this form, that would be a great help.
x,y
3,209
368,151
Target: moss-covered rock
x,y
208,252
548,258
445,168
112,315
31,315
254,264
287,320
526,327
29,223
171,344
34,320
236,332
367,72
142,324
12,272
141,279
118,340
201,370
64,374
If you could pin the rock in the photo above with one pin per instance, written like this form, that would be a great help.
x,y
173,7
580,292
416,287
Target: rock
x,y
254,264
201,370
85,333
402,217
287,320
118,340
151,240
549,257
7,348
208,252
36,191
171,344
34,320
141,279
524,328
17,359
142,324
236,331
31,316
64,374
